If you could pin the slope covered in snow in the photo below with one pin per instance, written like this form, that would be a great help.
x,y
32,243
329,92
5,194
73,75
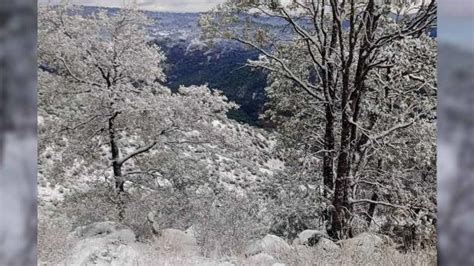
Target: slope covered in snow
x,y
240,167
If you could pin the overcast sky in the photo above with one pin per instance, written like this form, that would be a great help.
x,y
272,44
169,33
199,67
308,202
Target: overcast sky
x,y
456,7
154,5
447,7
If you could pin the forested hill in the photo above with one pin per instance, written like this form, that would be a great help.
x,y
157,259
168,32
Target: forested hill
x,y
221,68
191,61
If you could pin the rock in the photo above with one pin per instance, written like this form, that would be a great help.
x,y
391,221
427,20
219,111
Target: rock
x,y
261,259
364,248
309,237
365,242
178,236
110,230
191,232
103,252
226,263
177,240
104,243
327,245
270,244
324,251
303,251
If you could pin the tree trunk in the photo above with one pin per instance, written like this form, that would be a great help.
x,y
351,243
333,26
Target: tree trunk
x,y
328,162
119,183
342,211
117,167
328,175
371,211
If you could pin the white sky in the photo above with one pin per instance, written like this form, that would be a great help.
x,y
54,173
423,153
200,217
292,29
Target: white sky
x,y
456,8
446,7
153,5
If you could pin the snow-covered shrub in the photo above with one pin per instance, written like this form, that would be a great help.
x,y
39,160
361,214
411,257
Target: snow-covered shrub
x,y
292,207
225,225
411,232
97,204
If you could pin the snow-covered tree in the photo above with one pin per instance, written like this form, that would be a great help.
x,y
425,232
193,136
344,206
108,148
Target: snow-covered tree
x,y
101,104
352,83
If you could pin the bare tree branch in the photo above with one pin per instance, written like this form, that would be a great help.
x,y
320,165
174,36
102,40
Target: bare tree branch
x,y
144,149
360,201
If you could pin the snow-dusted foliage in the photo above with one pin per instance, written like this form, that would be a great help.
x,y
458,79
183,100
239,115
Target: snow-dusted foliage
x,y
352,91
105,118
102,108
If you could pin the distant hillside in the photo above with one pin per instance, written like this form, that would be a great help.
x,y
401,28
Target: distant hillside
x,y
222,69
222,66
192,62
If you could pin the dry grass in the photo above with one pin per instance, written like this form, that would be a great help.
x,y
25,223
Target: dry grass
x,y
306,256
53,246
167,253
222,232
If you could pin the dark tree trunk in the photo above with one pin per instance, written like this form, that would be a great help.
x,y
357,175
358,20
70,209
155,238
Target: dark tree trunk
x,y
119,183
117,167
341,213
329,140
328,161
371,211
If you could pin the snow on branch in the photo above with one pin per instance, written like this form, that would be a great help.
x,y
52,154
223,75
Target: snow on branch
x,y
136,152
359,201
